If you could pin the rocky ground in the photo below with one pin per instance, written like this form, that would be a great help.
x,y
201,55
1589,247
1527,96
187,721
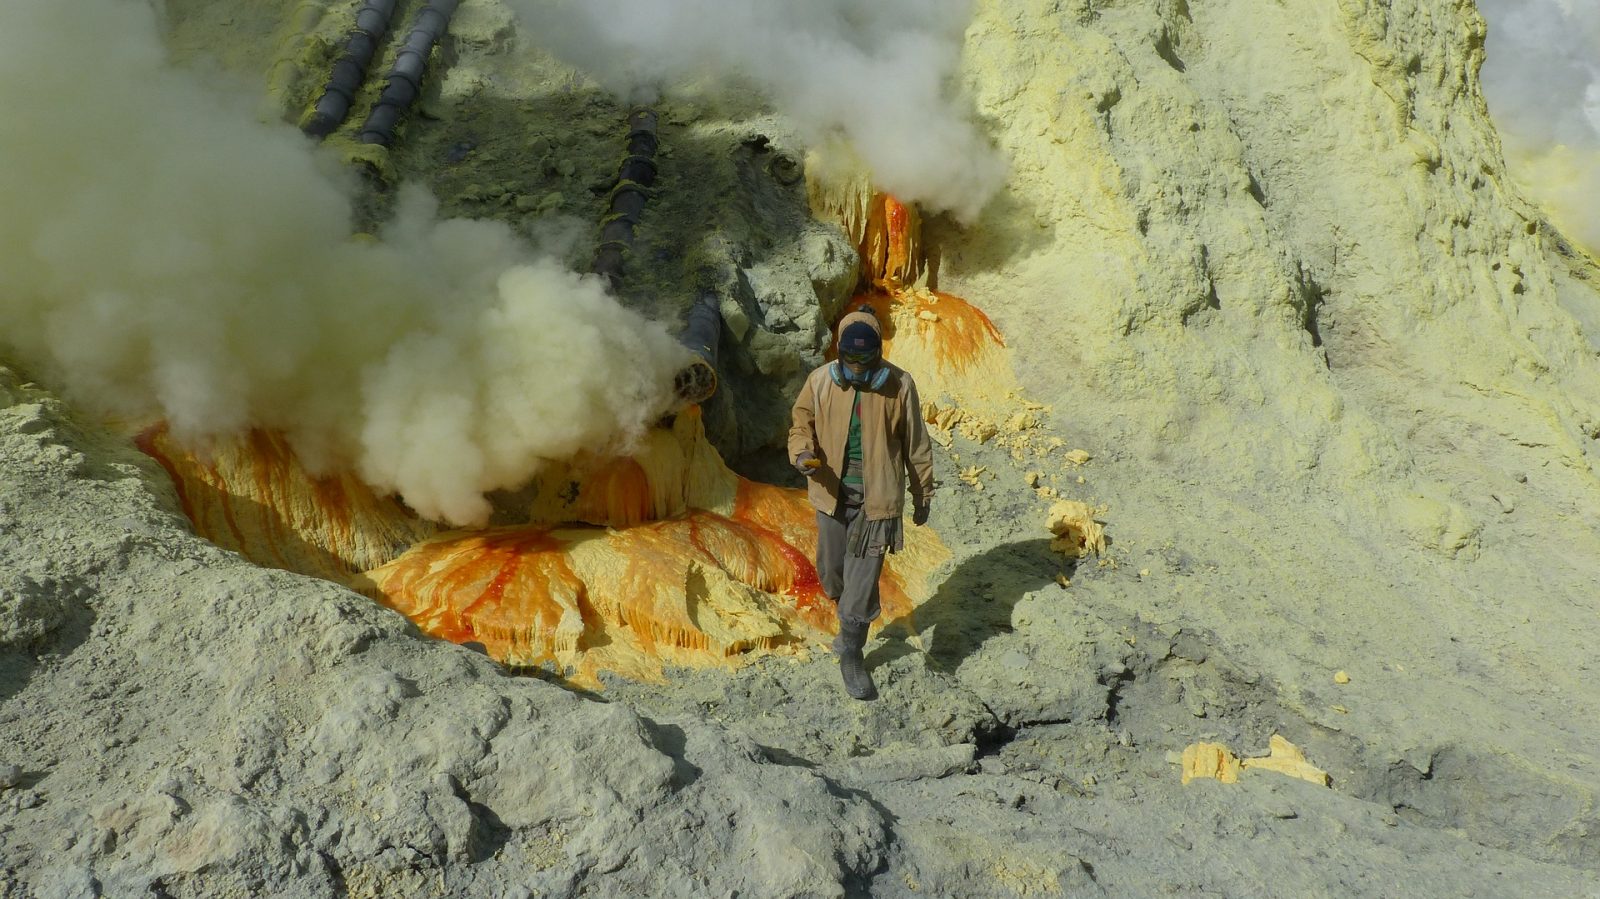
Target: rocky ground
x,y
181,722
1338,382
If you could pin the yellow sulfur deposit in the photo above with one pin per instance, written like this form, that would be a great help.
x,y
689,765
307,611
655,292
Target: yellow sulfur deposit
x,y
252,494
1210,760
1217,762
1287,759
1076,532
953,347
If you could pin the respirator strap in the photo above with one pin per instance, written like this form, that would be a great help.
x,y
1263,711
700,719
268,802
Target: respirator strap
x,y
874,380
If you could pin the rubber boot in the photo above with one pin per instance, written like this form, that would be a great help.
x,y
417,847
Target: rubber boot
x,y
852,666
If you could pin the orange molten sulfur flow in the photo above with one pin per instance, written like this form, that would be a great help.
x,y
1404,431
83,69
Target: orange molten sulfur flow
x,y
946,342
251,494
703,588
933,333
728,574
626,565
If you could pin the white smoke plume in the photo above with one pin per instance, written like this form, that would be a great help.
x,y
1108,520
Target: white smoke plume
x,y
162,252
875,72
1542,80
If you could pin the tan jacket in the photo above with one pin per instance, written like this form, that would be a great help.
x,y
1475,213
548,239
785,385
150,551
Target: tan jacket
x,y
894,439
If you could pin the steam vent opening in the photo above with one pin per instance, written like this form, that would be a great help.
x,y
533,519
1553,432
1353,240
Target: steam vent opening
x,y
627,565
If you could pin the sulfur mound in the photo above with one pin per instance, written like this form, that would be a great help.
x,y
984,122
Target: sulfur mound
x,y
622,565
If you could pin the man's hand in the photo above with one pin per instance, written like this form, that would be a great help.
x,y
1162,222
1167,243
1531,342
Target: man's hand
x,y
807,464
919,513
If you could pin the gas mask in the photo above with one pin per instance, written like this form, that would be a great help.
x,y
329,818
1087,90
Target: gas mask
x,y
875,375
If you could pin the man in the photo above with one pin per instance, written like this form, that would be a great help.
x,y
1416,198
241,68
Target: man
x,y
857,433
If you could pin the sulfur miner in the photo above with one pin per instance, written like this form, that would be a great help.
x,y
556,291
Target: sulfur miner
x,y
857,434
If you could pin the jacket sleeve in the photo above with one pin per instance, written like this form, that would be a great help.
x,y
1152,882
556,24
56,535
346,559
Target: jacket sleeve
x,y
919,449
802,418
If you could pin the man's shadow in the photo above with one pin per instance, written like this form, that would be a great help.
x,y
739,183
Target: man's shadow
x,y
975,603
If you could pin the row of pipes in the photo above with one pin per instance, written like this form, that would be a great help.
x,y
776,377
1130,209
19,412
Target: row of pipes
x,y
350,69
405,76
404,83
636,175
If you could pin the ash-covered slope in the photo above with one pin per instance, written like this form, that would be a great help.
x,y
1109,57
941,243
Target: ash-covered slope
x,y
1262,260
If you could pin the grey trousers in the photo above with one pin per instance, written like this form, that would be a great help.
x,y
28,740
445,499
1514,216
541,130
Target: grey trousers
x,y
850,581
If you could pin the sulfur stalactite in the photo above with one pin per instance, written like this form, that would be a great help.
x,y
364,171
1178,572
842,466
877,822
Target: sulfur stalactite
x,y
252,495
950,345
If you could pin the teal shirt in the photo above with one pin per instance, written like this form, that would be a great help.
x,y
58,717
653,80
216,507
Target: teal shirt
x,y
852,447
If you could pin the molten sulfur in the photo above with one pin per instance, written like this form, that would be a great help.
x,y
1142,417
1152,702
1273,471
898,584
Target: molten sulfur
x,y
947,343
623,565
251,494
727,575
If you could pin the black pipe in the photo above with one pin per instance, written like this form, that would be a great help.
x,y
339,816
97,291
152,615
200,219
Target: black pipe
x,y
635,176
628,201
642,139
350,69
398,93
608,259
638,169
697,381
384,118
404,83
703,327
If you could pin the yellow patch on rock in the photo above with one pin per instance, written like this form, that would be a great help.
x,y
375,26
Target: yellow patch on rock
x,y
1210,760
1076,532
1287,759
1215,761
1022,421
971,474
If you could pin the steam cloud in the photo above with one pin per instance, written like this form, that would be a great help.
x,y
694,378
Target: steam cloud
x,y
872,71
1542,80
163,252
